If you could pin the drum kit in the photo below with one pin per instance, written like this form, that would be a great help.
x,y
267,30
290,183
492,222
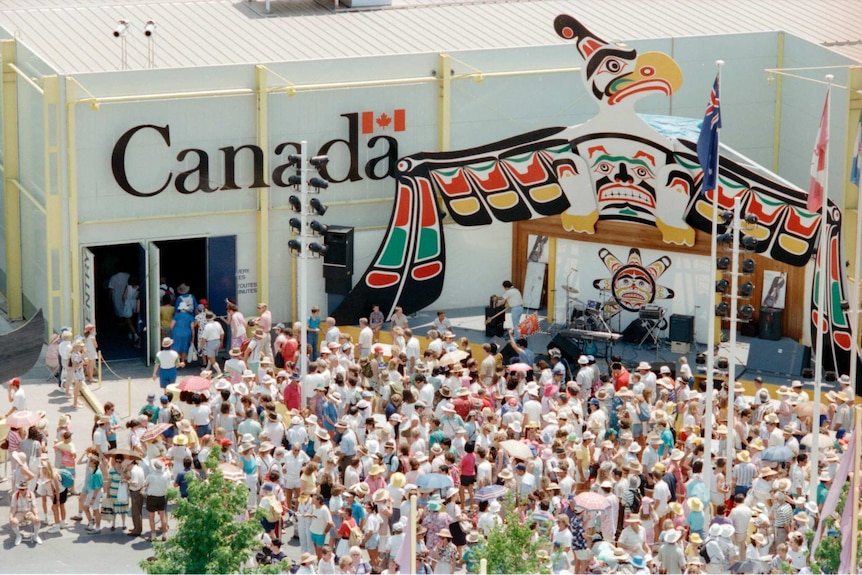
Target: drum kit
x,y
592,315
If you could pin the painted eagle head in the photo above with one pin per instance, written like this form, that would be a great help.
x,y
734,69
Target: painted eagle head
x,y
614,74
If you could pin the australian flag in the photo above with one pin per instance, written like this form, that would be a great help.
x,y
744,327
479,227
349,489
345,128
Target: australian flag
x,y
707,142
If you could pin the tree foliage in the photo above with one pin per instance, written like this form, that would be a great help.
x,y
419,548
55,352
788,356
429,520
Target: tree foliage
x,y
511,547
209,538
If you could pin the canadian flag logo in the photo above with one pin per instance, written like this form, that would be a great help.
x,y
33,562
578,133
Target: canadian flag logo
x,y
372,122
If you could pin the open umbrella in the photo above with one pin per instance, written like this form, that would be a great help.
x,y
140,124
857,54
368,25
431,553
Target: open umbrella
x,y
806,409
23,418
125,453
777,454
154,431
231,472
194,383
434,481
824,441
454,357
520,366
592,501
490,492
749,566
517,449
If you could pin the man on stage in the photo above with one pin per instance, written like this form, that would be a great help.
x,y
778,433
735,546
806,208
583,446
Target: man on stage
x,y
514,302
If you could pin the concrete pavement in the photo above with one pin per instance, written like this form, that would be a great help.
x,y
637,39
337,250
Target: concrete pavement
x,y
73,550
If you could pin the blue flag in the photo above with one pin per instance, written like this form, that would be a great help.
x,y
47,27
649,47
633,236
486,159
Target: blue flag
x,y
856,167
707,142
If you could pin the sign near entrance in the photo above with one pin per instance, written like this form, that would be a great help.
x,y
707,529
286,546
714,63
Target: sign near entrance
x,y
199,178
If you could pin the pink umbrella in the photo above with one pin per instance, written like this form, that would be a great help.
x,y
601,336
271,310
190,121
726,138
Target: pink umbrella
x,y
154,431
23,418
591,501
194,383
522,367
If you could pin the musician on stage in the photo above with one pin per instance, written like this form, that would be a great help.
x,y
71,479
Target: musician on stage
x,y
514,302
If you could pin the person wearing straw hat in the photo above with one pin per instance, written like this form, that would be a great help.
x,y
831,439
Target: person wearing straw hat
x,y
445,554
670,554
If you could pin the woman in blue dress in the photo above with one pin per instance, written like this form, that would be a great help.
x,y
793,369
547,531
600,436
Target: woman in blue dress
x,y
181,333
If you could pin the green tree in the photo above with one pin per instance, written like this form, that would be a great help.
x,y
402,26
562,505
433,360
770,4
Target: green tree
x,y
208,538
510,547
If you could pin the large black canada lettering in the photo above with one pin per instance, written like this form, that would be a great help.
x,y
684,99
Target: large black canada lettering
x,y
118,159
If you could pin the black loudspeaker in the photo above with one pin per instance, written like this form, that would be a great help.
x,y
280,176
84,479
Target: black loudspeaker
x,y
568,349
770,323
681,328
494,327
508,353
338,260
635,332
784,357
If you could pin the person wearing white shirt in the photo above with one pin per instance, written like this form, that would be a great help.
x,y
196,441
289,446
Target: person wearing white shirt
x,y
366,337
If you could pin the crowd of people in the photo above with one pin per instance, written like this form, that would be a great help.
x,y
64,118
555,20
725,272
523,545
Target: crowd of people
x,y
606,466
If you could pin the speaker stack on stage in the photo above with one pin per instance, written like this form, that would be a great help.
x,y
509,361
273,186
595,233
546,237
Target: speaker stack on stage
x,y
681,333
770,323
338,263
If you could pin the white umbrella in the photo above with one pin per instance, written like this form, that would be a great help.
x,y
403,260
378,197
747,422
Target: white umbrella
x,y
517,449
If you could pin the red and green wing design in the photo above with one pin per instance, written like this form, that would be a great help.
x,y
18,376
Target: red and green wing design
x,y
787,232
514,179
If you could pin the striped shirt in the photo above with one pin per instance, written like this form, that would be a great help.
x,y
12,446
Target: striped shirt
x,y
744,474
783,514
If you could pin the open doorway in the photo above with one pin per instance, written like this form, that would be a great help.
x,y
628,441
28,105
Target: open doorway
x,y
114,268
184,262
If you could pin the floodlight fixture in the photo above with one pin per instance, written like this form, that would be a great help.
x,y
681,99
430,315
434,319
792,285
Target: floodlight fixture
x,y
318,183
318,228
122,28
149,28
317,249
296,225
318,207
318,161
295,204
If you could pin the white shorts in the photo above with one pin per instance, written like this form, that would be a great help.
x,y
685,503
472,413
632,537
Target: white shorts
x,y
290,483
583,554
94,498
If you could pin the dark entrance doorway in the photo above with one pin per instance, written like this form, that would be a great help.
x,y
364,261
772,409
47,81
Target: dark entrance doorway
x,y
185,262
114,267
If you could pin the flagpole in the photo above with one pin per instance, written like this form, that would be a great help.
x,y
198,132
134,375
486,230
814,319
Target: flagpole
x,y
853,496
857,267
708,422
821,312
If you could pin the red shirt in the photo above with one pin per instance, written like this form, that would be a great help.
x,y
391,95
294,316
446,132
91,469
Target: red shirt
x,y
462,406
288,350
468,465
293,396
622,380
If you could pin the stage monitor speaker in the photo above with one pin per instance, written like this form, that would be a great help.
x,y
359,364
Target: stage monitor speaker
x,y
338,260
494,327
635,332
568,349
681,328
783,357
770,323
508,353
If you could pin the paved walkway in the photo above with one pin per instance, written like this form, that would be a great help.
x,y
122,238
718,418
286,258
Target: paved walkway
x,y
127,384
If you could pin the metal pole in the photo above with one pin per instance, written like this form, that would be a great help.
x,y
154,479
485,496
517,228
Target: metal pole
x,y
303,260
710,339
821,318
412,534
734,299
855,292
853,497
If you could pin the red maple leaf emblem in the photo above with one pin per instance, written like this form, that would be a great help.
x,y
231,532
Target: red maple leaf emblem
x,y
383,120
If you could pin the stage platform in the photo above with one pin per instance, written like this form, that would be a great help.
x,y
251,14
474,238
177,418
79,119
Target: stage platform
x,y
777,362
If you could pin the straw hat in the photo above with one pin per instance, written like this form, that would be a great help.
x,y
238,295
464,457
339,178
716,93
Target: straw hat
x,y
380,495
783,484
672,537
744,456
376,470
759,538
307,559
695,538
181,440
675,507
695,504
445,533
